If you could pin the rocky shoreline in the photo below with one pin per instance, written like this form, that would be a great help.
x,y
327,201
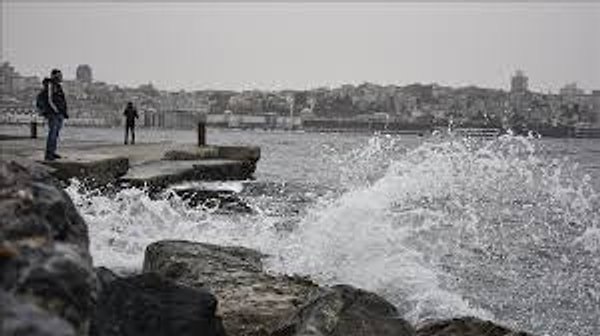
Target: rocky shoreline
x,y
50,287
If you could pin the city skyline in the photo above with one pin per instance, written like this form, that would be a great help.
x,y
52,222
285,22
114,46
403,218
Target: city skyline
x,y
89,79
305,46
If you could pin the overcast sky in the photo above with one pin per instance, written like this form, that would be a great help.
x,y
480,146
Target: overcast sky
x,y
307,45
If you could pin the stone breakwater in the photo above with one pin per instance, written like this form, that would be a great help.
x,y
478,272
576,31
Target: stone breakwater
x,y
155,165
48,285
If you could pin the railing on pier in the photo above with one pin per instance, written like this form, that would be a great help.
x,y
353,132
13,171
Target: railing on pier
x,y
24,119
587,132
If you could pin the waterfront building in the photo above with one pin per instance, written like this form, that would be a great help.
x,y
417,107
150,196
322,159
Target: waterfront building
x,y
7,78
26,83
307,113
75,89
181,119
596,106
151,118
571,91
175,119
519,83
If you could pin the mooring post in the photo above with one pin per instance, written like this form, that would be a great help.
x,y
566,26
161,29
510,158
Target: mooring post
x,y
201,132
33,129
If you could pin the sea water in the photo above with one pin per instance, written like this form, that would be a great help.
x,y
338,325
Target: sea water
x,y
506,229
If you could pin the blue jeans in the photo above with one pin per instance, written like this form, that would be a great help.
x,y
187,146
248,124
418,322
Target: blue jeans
x,y
55,122
130,126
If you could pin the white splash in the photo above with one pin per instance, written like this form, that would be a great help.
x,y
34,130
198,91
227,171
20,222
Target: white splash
x,y
452,227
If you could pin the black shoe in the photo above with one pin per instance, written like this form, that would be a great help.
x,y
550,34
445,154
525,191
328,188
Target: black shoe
x,y
56,156
49,158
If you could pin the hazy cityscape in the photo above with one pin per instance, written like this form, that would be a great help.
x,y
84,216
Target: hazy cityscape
x,y
367,106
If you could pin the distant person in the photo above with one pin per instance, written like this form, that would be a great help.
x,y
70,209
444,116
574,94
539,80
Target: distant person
x,y
54,108
130,116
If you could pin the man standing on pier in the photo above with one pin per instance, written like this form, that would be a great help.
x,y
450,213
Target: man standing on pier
x,y
130,116
55,112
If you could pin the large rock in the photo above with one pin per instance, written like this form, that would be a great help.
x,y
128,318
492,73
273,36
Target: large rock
x,y
346,311
465,326
150,305
44,256
105,276
251,302
18,318
33,205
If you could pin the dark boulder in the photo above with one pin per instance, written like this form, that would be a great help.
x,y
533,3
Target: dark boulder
x,y
34,206
346,311
465,326
251,302
19,318
150,305
44,256
105,276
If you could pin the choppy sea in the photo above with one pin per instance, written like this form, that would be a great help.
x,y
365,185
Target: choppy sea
x,y
506,229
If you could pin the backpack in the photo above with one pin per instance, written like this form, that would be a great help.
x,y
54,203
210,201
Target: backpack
x,y
41,102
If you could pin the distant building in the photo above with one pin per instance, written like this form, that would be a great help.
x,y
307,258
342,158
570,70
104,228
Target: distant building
x,y
177,119
84,74
11,82
596,105
148,89
152,118
571,90
7,78
423,93
24,83
519,83
307,113
380,116
75,89
181,119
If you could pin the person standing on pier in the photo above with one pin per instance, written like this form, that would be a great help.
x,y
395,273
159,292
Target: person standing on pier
x,y
130,116
55,112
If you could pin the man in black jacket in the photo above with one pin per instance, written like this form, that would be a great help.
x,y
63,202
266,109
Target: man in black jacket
x,y
56,112
130,116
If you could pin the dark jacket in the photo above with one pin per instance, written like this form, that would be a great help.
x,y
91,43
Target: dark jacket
x,y
57,95
130,115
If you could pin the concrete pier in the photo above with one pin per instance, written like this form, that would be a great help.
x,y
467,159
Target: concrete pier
x,y
152,164
93,169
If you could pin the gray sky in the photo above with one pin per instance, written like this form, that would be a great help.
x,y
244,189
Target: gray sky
x,y
306,45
